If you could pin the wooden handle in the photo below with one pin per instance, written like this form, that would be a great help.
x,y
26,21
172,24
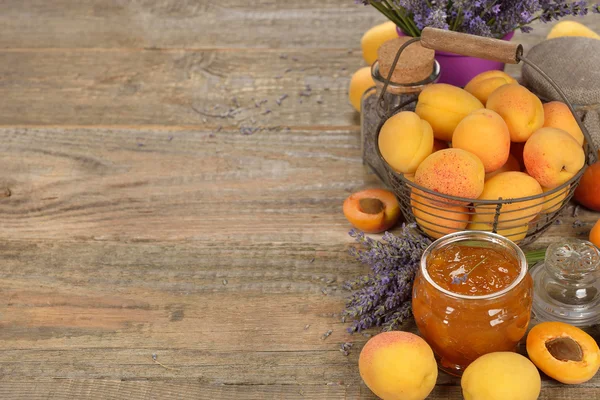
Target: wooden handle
x,y
471,45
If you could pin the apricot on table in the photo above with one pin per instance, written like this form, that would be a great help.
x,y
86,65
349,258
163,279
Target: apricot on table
x,y
558,115
571,28
360,82
454,172
521,109
595,234
405,141
372,210
485,134
552,157
436,219
485,83
507,186
374,38
398,366
563,352
510,165
501,376
444,106
588,192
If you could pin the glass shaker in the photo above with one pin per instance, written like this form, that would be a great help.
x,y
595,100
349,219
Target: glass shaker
x,y
415,70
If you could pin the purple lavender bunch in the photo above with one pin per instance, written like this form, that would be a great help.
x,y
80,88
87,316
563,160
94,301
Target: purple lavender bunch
x,y
490,18
382,298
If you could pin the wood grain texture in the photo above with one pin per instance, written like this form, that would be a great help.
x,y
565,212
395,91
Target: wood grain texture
x,y
68,389
197,24
113,184
208,88
153,204
184,23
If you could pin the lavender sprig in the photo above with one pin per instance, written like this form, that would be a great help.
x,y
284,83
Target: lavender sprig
x,y
382,298
490,18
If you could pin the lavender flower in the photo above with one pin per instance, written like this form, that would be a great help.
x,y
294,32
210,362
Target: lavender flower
x,y
383,297
491,18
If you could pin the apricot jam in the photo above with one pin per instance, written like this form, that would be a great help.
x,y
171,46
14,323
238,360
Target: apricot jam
x,y
472,296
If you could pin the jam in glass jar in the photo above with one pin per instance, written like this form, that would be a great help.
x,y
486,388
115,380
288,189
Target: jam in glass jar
x,y
472,296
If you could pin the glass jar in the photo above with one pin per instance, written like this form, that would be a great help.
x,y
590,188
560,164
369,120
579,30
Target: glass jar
x,y
460,328
374,113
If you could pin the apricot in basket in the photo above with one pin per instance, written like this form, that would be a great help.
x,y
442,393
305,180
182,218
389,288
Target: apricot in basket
x,y
484,84
552,157
453,172
372,210
521,110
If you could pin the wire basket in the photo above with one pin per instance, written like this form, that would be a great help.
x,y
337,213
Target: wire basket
x,y
522,219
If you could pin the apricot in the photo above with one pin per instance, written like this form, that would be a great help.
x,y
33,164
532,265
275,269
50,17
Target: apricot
x,y
558,115
398,366
507,186
405,141
444,106
563,352
510,165
485,83
571,28
436,219
374,38
372,210
360,82
588,192
595,234
507,229
439,145
521,110
485,134
501,376
454,172
553,202
552,157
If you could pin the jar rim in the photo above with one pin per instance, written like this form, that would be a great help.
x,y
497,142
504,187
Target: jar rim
x,y
482,236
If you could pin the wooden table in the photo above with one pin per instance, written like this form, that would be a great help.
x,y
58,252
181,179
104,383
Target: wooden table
x,y
168,231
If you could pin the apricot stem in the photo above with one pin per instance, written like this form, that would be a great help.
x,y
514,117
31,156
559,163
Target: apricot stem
x,y
371,206
565,349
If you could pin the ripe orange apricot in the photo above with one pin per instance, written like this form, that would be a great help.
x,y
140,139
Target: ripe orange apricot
x,y
563,352
588,192
437,219
595,234
372,210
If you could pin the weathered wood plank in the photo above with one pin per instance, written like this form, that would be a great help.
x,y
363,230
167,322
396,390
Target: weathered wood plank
x,y
113,184
179,87
184,23
82,87
233,317
68,389
197,24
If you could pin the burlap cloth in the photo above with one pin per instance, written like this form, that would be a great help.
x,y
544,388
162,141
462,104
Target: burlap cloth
x,y
574,63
